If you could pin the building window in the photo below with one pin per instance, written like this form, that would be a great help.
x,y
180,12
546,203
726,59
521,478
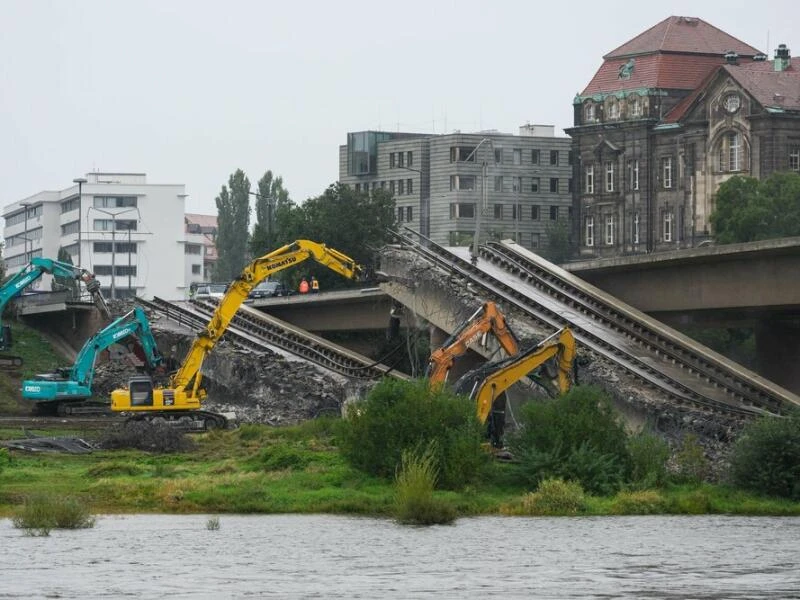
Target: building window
x,y
635,228
730,152
114,201
534,184
409,186
409,159
391,160
462,182
589,179
196,269
69,205
666,172
515,211
534,157
517,156
392,185
462,210
569,185
399,214
409,213
794,158
589,231
535,212
636,106
401,186
498,212
554,213
554,157
191,249
554,185
516,183
609,176
72,227
613,109
400,160
358,189
498,156
108,225
669,221
588,112
633,174
498,183
462,153
609,230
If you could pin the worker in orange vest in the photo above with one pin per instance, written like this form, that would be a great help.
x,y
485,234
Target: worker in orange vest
x,y
314,285
304,286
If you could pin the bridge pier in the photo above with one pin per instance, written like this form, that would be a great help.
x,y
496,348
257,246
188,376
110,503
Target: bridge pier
x,y
778,351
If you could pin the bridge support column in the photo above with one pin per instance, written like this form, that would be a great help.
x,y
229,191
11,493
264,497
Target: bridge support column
x,y
778,350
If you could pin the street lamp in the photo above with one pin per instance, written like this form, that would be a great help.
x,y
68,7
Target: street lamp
x,y
114,216
484,198
80,181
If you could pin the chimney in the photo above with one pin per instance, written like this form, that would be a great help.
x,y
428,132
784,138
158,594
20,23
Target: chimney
x,y
731,58
782,58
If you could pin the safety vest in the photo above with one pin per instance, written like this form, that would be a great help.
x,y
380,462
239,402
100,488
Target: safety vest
x,y
315,285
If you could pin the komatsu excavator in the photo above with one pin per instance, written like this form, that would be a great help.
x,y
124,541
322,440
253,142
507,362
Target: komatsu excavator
x,y
487,319
180,401
554,357
63,391
33,271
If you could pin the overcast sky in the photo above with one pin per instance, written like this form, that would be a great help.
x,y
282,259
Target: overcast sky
x,y
189,91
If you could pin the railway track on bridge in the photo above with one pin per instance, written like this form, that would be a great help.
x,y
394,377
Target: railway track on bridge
x,y
691,375
258,332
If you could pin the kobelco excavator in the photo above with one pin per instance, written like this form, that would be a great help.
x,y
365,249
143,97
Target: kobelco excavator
x,y
180,400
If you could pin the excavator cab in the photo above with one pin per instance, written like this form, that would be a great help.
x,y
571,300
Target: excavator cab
x,y
141,389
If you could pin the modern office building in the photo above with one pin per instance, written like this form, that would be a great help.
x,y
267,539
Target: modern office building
x,y
668,117
131,234
448,186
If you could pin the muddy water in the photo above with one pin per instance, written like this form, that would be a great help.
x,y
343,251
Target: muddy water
x,y
338,557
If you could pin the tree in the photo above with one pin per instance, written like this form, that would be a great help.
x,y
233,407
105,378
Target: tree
x,y
271,194
355,223
558,244
65,283
233,221
748,210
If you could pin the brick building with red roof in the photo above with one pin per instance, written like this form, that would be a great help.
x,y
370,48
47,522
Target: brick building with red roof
x,y
668,116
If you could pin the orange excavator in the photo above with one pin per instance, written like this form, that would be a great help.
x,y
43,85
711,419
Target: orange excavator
x,y
487,319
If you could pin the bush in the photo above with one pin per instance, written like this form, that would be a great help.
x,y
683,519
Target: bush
x,y
766,458
414,484
113,469
398,416
691,463
141,435
642,502
552,497
44,512
5,458
575,437
649,455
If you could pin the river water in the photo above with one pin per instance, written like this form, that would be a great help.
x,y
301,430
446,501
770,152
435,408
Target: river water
x,y
296,556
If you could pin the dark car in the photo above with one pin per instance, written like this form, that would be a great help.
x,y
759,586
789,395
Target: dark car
x,y
268,289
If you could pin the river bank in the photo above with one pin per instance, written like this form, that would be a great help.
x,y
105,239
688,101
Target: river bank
x,y
268,470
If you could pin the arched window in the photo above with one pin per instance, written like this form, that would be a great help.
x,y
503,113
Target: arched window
x,y
588,112
613,108
635,106
730,152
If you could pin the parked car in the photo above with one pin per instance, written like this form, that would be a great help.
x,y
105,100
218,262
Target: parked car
x,y
209,290
268,289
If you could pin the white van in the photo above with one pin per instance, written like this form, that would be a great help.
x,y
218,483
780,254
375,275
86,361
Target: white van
x,y
209,290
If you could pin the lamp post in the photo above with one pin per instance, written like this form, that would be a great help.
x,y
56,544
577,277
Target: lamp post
x,y
114,216
484,198
80,181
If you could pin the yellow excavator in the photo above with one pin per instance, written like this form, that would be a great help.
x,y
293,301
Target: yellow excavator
x,y
180,400
554,357
487,319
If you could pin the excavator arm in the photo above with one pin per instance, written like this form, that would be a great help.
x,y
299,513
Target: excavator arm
x,y
495,378
487,319
184,391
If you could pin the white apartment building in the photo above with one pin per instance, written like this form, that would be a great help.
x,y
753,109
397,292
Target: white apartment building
x,y
131,234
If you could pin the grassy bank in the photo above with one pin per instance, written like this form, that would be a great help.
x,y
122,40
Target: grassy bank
x,y
259,469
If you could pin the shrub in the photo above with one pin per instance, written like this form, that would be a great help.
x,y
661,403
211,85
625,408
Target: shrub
x,y
575,437
151,437
649,455
766,458
397,416
691,463
5,458
113,469
278,458
44,512
642,502
552,497
415,481
212,524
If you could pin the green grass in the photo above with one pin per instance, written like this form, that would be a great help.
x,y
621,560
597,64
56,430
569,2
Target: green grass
x,y
260,469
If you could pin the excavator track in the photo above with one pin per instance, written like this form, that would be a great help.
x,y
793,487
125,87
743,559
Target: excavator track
x,y
10,362
190,421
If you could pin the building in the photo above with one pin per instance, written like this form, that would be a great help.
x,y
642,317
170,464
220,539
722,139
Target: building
x,y
522,182
201,247
668,117
108,223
